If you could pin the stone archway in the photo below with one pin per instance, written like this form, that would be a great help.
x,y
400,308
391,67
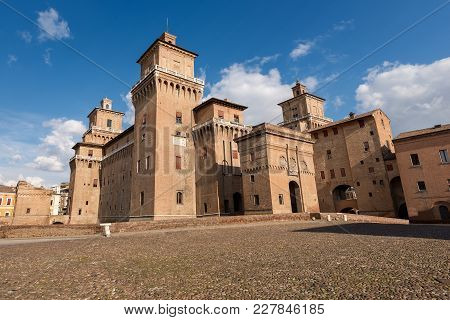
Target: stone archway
x,y
402,212
398,198
294,192
344,198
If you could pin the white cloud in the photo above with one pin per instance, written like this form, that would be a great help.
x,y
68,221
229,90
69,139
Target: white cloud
x,y
16,157
413,96
129,114
52,26
47,56
11,59
25,35
310,82
50,163
34,180
249,86
301,50
338,102
343,25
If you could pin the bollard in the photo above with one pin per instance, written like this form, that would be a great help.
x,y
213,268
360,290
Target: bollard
x,y
328,218
105,228
345,217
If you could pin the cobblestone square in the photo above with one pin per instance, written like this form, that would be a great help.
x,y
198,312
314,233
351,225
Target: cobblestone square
x,y
269,260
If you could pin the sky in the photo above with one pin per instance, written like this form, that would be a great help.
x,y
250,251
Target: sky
x,y
58,59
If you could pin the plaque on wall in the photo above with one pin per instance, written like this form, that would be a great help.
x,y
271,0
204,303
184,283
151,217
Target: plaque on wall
x,y
179,141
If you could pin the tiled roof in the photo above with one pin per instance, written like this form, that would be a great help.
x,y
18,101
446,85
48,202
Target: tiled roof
x,y
421,132
348,119
7,189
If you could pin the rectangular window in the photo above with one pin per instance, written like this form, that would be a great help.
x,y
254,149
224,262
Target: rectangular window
x,y
138,166
325,133
252,178
381,182
415,159
87,202
389,167
328,154
377,159
90,153
443,154
421,186
235,154
179,197
280,199
179,117
79,212
371,169
147,162
361,123
366,146
332,174
141,198
374,182
335,131
1,201
236,118
252,156
8,201
343,172
316,135
322,175
28,210
371,132
95,183
256,200
370,194
178,162
90,165
109,123
220,114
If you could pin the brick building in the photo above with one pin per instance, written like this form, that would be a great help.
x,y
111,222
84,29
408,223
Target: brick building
x,y
424,165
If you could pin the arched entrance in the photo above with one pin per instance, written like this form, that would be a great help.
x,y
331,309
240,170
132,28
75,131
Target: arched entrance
x,y
402,212
398,198
294,192
442,208
237,202
344,198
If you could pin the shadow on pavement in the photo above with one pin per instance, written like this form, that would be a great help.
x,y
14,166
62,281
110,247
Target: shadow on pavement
x,y
440,232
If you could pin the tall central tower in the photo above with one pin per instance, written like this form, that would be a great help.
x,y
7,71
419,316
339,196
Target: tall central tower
x,y
163,182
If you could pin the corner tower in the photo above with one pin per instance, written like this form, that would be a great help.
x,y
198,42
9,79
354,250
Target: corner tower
x,y
304,111
163,182
84,189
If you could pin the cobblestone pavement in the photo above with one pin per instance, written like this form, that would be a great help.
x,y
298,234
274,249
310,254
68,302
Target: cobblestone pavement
x,y
290,260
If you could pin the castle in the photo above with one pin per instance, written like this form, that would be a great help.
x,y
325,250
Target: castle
x,y
185,157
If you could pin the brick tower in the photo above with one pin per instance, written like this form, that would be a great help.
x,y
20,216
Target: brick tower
x,y
104,125
163,181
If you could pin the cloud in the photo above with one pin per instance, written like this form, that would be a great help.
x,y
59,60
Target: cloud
x,y
338,102
129,114
50,163
11,59
343,25
413,96
16,157
310,82
25,35
250,86
301,50
52,26
47,56
34,180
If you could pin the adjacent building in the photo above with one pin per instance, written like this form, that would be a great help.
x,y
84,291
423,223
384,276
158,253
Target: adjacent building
x,y
424,164
33,204
7,201
355,166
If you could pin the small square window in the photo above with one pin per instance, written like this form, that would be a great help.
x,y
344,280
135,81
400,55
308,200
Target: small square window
x,y
28,210
220,114
443,154
358,183
389,167
322,174
377,159
335,131
361,123
421,186
415,159
109,123
371,169
252,178
361,162
332,174
179,118
374,182
236,118
370,194
371,133
87,202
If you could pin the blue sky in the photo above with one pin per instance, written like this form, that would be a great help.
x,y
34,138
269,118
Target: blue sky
x,y
250,52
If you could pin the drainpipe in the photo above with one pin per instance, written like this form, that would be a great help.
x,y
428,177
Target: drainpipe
x,y
299,180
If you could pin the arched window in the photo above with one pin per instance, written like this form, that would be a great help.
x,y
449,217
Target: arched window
x,y
179,197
